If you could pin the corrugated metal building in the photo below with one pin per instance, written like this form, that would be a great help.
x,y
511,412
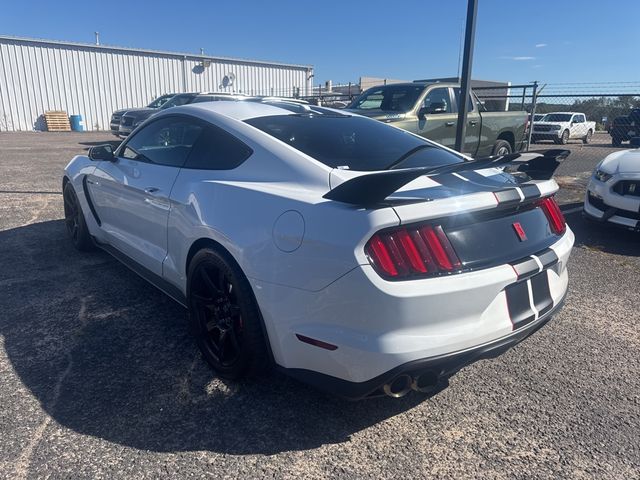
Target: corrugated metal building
x,y
94,80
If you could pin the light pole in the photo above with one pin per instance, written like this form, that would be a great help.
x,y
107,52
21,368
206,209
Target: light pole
x,y
465,80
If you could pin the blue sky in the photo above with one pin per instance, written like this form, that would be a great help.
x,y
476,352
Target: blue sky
x,y
516,40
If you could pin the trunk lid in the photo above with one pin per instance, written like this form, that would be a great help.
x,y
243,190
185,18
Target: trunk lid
x,y
488,218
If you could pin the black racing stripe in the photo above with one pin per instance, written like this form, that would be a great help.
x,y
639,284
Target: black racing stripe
x,y
530,191
547,257
508,196
475,177
541,293
518,304
526,268
451,181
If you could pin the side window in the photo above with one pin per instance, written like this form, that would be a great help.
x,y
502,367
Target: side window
x,y
167,141
580,118
217,150
469,105
372,101
436,97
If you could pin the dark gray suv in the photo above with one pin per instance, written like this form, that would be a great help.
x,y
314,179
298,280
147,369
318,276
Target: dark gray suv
x,y
116,116
132,118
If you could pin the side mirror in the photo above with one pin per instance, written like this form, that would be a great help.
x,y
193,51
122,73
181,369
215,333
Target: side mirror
x,y
434,108
438,107
635,142
101,152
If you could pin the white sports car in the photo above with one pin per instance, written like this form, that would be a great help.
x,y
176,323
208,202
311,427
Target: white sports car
x,y
613,193
351,254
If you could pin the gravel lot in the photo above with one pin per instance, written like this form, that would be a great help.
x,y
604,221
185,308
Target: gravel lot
x,y
100,379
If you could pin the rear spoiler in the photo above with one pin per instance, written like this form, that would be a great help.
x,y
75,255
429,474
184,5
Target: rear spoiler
x,y
374,188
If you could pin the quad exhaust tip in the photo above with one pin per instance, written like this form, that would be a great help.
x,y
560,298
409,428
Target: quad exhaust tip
x,y
399,386
403,384
427,382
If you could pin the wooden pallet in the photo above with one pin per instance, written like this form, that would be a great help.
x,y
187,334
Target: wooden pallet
x,y
57,121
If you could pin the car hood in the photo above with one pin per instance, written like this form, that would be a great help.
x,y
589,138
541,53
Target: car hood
x,y
140,113
548,123
122,111
625,161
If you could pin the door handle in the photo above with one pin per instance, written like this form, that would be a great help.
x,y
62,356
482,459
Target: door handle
x,y
151,190
473,123
450,124
91,182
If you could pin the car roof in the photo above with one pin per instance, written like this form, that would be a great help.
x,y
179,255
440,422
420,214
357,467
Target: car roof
x,y
405,84
246,110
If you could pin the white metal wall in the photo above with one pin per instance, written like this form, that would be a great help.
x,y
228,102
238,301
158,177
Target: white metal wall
x,y
93,81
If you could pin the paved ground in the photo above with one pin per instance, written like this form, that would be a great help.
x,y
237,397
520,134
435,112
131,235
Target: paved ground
x,y
99,378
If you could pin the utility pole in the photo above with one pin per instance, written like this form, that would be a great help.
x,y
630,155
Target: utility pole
x,y
465,80
534,101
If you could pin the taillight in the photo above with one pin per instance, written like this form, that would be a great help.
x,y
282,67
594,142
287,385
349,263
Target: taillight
x,y
554,215
405,252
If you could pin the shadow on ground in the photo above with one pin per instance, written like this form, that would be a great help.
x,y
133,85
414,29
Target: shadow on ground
x,y
108,355
602,237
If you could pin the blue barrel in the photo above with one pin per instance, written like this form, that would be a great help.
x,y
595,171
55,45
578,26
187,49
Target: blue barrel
x,y
77,125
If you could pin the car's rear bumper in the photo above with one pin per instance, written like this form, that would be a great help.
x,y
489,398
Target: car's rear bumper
x,y
624,133
440,367
377,326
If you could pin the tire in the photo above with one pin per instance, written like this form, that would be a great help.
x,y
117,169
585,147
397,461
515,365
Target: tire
x,y
565,138
224,316
587,138
616,141
501,147
74,220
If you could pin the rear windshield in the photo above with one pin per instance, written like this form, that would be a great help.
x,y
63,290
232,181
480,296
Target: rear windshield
x,y
388,98
557,117
353,142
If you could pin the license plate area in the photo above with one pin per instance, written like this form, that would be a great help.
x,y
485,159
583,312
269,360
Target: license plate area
x,y
499,239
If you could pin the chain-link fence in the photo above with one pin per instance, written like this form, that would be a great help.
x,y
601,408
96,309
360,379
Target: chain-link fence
x,y
606,113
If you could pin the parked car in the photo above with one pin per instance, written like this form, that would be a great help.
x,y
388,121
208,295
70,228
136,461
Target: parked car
x,y
431,111
613,193
117,115
132,118
355,256
560,127
624,128
537,117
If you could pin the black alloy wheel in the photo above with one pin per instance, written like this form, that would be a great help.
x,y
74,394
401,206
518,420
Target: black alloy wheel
x,y
219,315
71,215
224,316
74,220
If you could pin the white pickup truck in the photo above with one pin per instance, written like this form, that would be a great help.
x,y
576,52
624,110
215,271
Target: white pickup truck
x,y
562,127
